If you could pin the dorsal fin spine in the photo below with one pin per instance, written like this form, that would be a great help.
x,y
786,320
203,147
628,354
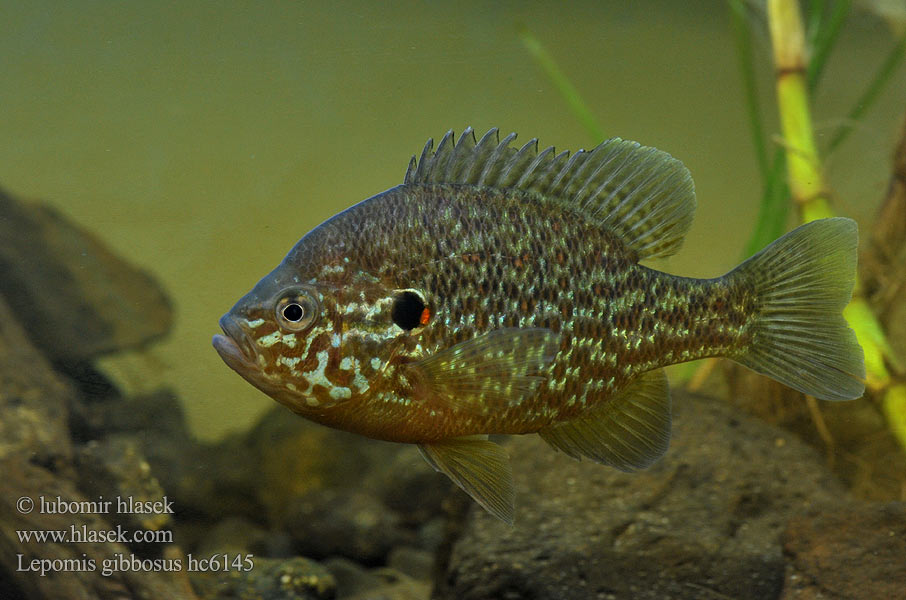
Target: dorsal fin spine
x,y
442,157
644,196
534,165
525,154
482,150
460,151
423,162
494,161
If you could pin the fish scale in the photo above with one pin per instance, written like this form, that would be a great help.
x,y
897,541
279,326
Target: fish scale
x,y
500,290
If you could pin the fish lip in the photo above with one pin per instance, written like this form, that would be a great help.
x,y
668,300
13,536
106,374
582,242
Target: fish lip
x,y
234,347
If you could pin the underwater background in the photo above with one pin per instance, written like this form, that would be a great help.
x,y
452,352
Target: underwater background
x,y
200,140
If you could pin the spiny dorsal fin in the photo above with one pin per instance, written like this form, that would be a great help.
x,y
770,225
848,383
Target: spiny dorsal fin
x,y
644,195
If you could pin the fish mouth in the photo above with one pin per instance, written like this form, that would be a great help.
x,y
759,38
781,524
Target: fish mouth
x,y
234,347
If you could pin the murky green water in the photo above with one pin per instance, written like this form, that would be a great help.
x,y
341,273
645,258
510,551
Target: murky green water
x,y
202,139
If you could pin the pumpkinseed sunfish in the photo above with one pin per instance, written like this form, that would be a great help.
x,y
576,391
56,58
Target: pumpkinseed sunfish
x,y
499,290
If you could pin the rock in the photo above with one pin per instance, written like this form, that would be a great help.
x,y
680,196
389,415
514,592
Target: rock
x,y
294,456
37,461
268,579
72,569
345,523
208,482
408,485
356,583
351,577
115,469
413,562
394,586
34,401
704,521
238,535
158,414
78,299
855,552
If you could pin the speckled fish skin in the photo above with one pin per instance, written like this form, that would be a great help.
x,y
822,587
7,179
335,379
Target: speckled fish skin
x,y
530,310
484,262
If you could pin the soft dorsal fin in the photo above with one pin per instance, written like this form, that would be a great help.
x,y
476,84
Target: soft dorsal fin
x,y
644,195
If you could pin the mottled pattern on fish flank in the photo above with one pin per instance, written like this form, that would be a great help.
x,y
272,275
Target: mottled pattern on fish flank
x,y
484,262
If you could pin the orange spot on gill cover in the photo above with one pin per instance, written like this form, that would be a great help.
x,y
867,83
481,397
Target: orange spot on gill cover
x,y
426,316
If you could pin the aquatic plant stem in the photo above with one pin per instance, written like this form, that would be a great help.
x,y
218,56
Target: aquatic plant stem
x,y
803,165
810,194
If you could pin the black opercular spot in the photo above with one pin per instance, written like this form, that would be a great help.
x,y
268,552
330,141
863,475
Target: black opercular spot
x,y
293,312
407,310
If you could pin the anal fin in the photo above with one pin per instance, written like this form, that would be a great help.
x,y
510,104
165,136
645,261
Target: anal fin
x,y
480,468
630,431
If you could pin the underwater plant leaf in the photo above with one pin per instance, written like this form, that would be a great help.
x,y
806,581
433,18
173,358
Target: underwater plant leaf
x,y
562,83
743,39
773,209
872,91
824,38
894,406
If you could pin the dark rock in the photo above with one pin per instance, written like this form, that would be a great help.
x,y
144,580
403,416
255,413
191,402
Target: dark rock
x,y
357,583
413,562
73,570
37,460
408,485
159,413
269,579
207,481
394,586
855,552
237,535
294,456
703,522
34,401
78,299
114,468
342,522
351,577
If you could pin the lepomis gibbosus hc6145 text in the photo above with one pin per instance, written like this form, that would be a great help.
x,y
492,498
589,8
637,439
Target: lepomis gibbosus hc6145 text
x,y
499,290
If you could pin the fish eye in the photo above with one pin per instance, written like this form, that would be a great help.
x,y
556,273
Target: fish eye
x,y
409,310
293,312
297,311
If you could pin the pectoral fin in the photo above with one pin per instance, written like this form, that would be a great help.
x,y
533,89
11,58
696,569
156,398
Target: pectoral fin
x,y
497,369
481,468
629,432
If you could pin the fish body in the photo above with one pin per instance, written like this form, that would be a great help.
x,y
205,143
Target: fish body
x,y
499,290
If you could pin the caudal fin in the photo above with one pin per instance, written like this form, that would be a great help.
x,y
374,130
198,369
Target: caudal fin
x,y
801,283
